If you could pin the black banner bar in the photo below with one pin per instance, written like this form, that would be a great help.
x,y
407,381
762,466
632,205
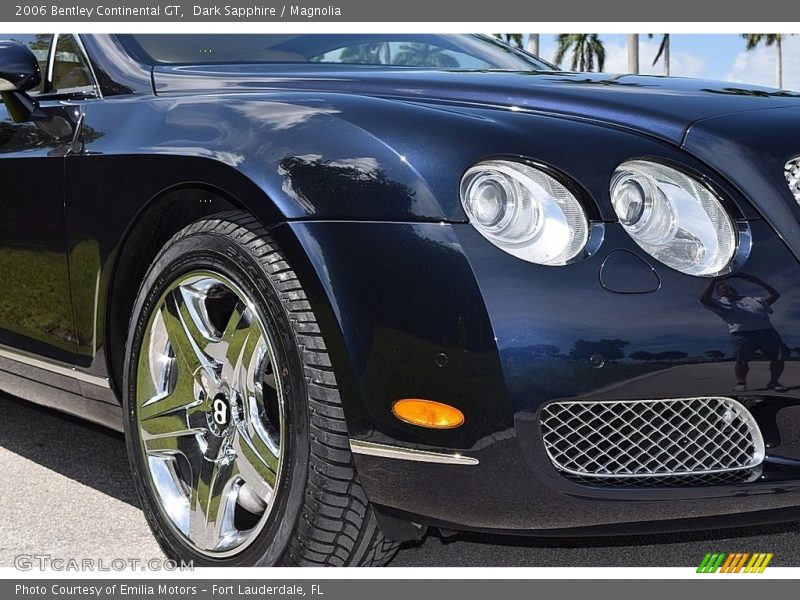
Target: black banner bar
x,y
385,589
463,11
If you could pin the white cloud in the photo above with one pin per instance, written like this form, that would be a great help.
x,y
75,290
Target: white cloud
x,y
682,64
758,66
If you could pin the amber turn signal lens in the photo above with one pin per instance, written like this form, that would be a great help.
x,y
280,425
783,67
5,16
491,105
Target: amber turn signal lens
x,y
427,413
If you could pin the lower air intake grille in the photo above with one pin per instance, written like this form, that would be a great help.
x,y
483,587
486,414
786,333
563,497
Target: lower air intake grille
x,y
687,441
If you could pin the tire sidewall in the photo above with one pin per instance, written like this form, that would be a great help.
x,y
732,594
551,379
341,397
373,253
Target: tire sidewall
x,y
203,250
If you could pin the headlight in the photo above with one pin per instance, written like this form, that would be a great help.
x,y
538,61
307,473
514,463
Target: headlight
x,y
673,217
524,211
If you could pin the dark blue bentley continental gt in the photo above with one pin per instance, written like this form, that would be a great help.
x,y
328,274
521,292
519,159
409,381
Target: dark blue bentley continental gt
x,y
338,289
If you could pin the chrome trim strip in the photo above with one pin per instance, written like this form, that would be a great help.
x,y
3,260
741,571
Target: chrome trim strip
x,y
385,451
96,309
51,60
792,172
54,368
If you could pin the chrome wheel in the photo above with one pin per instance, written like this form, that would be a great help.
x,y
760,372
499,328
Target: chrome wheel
x,y
210,413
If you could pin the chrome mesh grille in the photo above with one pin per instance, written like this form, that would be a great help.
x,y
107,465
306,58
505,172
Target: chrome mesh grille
x,y
792,173
646,439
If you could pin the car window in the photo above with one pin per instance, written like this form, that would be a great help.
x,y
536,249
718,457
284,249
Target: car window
x,y
39,44
462,51
70,71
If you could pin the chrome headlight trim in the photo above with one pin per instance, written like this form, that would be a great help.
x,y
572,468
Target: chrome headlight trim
x,y
791,171
676,217
527,211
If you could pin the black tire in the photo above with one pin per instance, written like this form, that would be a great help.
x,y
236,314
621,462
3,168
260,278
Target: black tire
x,y
320,516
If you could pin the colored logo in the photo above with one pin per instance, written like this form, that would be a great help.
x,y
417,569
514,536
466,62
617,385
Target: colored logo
x,y
735,562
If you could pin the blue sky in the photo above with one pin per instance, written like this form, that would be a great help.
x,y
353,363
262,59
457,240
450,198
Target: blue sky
x,y
712,56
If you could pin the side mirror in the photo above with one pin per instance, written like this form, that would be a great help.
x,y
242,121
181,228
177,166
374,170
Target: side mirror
x,y
19,72
19,69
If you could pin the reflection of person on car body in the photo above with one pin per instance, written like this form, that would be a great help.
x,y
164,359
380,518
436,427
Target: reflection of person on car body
x,y
750,327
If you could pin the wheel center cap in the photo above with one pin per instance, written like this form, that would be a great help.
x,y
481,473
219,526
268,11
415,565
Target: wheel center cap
x,y
220,415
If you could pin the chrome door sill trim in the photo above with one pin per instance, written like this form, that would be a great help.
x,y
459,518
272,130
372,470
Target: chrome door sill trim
x,y
54,368
385,451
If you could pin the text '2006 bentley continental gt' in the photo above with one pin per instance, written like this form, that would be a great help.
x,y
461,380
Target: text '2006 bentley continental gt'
x,y
338,289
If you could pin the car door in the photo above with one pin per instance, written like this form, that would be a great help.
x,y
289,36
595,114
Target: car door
x,y
36,314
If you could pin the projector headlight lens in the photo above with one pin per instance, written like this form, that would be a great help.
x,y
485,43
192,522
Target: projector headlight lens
x,y
524,211
673,217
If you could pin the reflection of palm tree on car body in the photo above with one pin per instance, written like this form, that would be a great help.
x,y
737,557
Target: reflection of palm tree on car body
x,y
425,55
748,319
408,55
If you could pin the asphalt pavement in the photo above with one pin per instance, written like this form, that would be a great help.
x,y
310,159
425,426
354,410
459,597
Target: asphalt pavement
x,y
67,493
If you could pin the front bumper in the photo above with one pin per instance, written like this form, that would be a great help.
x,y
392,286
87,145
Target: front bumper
x,y
434,311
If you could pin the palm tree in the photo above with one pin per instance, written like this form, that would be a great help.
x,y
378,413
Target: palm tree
x,y
533,43
769,39
424,55
586,48
663,50
633,53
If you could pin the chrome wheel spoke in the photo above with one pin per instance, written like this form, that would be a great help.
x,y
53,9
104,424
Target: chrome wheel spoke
x,y
170,428
170,434
186,442
166,417
179,402
188,333
212,505
241,340
257,464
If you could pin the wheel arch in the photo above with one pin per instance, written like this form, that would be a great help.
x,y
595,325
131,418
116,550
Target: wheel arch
x,y
158,221
160,218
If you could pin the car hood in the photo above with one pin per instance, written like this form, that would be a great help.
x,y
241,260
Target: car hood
x,y
661,106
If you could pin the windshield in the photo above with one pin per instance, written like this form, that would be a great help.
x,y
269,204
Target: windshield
x,y
426,51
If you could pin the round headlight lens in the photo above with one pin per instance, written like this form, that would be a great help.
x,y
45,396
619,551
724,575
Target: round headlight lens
x,y
630,202
491,201
524,211
673,217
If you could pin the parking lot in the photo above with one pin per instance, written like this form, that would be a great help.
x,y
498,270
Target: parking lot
x,y
67,492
